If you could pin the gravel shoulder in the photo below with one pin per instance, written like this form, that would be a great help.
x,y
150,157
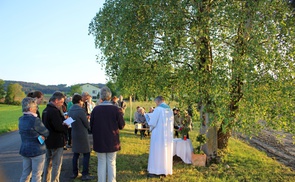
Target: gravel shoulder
x,y
274,145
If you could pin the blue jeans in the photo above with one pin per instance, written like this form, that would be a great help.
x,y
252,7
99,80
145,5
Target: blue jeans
x,y
86,157
53,164
106,162
34,166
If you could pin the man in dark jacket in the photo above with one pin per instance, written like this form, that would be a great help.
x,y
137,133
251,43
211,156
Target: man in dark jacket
x,y
53,118
106,120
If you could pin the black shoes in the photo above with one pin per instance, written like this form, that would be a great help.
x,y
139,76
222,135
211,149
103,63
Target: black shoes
x,y
155,175
87,177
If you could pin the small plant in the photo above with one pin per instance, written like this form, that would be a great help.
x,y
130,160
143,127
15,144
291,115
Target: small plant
x,y
184,130
202,140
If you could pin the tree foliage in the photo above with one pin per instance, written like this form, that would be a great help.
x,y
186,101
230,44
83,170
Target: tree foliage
x,y
14,94
2,89
232,59
76,89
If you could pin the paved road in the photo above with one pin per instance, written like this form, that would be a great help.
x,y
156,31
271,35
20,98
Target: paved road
x,y
11,161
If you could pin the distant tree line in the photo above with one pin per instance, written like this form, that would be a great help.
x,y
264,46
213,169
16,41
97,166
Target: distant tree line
x,y
11,92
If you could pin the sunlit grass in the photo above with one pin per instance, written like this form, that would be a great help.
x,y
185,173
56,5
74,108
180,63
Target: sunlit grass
x,y
9,115
241,163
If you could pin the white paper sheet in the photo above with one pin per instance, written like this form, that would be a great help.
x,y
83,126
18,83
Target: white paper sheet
x,y
69,121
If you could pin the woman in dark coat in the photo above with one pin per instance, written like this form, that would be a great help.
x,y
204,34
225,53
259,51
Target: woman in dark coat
x,y
80,140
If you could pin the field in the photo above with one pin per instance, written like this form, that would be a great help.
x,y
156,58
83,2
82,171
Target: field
x,y
241,162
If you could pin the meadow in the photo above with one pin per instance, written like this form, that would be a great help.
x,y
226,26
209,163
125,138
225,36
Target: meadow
x,y
240,162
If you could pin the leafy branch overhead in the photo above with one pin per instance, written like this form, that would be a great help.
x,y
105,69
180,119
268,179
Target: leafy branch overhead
x,y
235,59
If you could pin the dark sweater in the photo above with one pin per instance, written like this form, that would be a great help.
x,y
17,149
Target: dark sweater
x,y
53,121
106,120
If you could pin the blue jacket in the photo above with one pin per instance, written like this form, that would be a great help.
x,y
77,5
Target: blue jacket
x,y
30,127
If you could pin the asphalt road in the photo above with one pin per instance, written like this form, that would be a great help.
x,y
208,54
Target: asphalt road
x,y
11,161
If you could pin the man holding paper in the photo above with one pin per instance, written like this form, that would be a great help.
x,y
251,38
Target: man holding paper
x,y
53,118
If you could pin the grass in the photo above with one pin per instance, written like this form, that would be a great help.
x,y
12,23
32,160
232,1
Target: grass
x,y
241,162
9,115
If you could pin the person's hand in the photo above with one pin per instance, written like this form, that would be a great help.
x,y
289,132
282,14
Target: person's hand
x,y
65,124
43,138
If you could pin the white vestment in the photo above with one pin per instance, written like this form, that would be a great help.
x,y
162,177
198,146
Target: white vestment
x,y
161,144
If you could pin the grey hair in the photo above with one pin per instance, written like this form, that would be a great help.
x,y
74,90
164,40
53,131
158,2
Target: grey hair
x,y
85,94
105,94
57,96
160,99
27,103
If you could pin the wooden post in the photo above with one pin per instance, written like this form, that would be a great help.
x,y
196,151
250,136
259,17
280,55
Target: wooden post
x,y
130,101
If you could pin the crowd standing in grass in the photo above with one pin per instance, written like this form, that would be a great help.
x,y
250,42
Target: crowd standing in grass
x,y
103,121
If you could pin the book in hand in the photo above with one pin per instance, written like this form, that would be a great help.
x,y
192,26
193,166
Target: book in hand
x,y
41,140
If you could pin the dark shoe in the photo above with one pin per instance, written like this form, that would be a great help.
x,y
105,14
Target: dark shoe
x,y
87,177
153,176
76,175
65,148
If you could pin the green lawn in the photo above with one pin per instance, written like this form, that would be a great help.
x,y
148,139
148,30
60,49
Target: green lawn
x,y
9,115
241,163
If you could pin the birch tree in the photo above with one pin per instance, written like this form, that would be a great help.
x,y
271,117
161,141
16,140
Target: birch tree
x,y
232,60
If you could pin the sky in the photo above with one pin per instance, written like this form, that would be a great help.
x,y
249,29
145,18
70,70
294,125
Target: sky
x,y
47,42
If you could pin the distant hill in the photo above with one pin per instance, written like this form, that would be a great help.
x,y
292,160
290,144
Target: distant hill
x,y
46,89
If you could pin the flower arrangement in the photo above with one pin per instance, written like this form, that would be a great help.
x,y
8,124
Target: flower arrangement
x,y
183,131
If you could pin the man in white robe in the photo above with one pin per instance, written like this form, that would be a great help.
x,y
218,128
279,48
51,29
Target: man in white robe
x,y
161,146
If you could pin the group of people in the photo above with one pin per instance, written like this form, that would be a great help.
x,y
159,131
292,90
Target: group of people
x,y
104,122
140,117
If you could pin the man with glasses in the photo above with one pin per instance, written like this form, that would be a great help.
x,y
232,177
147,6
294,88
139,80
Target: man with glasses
x,y
53,118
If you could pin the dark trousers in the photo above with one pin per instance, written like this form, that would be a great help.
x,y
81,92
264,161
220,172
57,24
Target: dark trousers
x,y
135,130
176,132
86,157
69,137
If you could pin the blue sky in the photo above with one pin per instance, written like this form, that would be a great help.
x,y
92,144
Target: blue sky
x,y
47,42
